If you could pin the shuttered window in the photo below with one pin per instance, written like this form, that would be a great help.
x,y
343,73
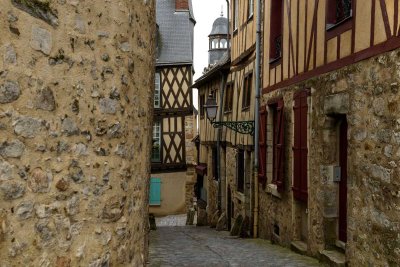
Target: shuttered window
x,y
278,145
155,192
300,149
262,147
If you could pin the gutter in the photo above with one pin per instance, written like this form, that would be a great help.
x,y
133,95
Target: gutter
x,y
257,120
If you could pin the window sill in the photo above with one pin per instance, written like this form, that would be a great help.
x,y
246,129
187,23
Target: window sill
x,y
330,27
235,31
245,109
227,112
275,60
272,189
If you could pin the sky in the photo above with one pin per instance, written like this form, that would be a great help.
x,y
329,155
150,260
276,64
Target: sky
x,y
205,12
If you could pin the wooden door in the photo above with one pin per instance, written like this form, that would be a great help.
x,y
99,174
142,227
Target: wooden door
x,y
343,182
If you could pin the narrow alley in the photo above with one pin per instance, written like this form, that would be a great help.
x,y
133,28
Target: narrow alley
x,y
202,246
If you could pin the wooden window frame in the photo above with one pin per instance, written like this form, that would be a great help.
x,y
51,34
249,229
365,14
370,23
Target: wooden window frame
x,y
334,27
247,89
277,108
240,170
250,9
159,127
157,90
276,31
228,103
235,16
201,105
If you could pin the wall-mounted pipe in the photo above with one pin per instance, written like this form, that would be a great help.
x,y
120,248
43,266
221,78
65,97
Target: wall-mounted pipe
x,y
257,119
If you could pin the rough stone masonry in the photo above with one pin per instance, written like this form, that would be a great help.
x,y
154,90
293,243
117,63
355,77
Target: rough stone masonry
x,y
76,79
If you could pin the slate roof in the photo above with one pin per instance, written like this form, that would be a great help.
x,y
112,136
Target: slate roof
x,y
220,26
175,33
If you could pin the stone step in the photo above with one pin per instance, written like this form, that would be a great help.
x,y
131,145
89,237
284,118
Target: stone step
x,y
333,258
299,247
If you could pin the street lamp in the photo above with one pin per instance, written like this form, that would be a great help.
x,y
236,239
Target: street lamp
x,y
243,127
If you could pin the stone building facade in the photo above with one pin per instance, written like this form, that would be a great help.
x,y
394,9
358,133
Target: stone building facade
x,y
330,130
75,125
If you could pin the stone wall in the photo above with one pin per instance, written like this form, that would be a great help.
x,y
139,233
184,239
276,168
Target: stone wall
x,y
76,79
368,94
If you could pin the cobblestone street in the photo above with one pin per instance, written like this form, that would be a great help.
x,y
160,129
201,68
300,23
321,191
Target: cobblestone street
x,y
201,246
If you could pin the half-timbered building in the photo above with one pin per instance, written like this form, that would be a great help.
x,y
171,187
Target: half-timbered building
x,y
329,136
174,123
227,153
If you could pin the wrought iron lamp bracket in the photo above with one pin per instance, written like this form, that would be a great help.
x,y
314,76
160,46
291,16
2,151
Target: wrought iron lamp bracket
x,y
243,127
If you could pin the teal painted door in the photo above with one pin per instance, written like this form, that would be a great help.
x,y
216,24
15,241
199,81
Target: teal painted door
x,y
155,191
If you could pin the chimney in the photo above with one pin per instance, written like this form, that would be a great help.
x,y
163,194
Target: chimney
x,y
181,5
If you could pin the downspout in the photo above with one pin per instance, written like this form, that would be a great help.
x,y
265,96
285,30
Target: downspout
x,y
228,34
257,119
219,133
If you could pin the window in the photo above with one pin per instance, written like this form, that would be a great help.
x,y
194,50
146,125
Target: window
x,y
276,30
338,10
247,88
300,150
278,127
224,43
157,90
214,163
236,15
202,102
215,44
228,97
156,149
240,171
250,8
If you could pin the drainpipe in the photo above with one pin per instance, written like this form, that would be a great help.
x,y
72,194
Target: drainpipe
x,y
219,133
228,34
220,118
257,119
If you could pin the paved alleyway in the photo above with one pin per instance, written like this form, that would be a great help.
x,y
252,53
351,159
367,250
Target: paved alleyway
x,y
201,246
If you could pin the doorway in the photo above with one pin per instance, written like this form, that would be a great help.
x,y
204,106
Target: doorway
x,y
343,147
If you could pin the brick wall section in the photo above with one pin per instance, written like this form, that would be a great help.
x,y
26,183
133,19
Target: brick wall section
x,y
182,4
75,132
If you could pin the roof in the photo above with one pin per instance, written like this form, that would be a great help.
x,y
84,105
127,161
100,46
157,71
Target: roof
x,y
222,65
220,26
175,39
